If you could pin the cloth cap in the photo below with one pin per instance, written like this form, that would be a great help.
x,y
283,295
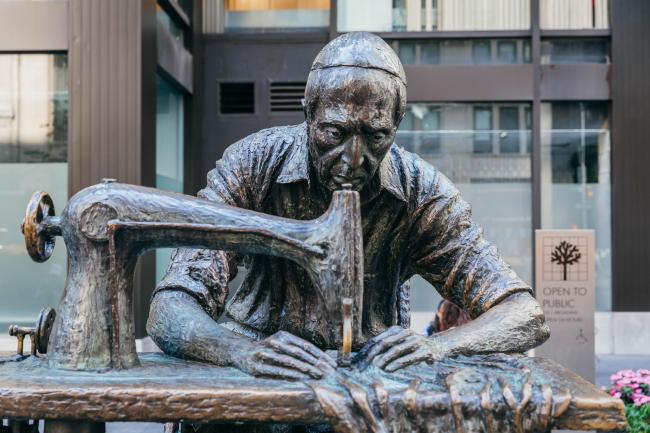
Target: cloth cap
x,y
360,50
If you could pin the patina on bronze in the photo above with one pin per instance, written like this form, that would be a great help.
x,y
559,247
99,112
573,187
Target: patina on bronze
x,y
331,218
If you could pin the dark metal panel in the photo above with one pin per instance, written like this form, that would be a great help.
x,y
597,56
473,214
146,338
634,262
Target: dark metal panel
x,y
194,113
630,154
578,33
106,106
174,59
33,26
575,82
261,60
112,111
334,12
536,154
470,83
268,38
145,83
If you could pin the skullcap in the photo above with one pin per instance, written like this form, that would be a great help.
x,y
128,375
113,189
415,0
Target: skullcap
x,y
360,50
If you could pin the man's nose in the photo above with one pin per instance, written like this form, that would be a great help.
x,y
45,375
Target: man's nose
x,y
353,152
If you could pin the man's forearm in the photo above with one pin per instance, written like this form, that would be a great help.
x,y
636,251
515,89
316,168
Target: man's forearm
x,y
516,324
181,328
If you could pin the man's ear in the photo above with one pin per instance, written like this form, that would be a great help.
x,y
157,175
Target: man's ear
x,y
304,108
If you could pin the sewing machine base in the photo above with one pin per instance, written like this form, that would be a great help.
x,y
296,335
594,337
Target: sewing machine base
x,y
165,389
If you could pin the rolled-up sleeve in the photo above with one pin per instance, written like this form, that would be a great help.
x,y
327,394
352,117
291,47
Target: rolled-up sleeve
x,y
202,273
449,251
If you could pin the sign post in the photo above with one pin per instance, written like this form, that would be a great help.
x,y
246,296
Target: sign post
x,y
565,287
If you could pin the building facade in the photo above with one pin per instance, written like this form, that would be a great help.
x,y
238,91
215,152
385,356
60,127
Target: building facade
x,y
535,109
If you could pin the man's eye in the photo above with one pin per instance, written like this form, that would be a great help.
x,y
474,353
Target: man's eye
x,y
334,133
378,136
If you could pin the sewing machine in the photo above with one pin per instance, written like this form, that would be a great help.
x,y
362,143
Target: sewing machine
x,y
84,369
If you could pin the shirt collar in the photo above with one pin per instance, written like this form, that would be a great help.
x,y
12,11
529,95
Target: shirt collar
x,y
295,166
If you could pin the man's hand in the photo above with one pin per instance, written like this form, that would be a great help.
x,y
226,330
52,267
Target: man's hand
x,y
397,348
285,356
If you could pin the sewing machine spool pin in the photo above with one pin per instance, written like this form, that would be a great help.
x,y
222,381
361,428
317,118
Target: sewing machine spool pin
x,y
344,358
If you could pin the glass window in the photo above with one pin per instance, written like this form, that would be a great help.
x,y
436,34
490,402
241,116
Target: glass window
x,y
429,52
170,130
481,52
428,15
506,52
407,52
462,51
169,24
574,14
497,185
556,51
33,156
483,122
509,125
576,178
265,15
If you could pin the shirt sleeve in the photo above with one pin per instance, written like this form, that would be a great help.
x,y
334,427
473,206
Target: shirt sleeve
x,y
202,273
449,251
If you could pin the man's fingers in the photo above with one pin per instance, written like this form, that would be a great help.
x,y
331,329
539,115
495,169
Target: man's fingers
x,y
292,350
286,361
377,338
383,345
410,345
277,372
416,357
307,347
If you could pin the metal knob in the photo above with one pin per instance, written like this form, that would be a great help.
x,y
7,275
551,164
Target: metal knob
x,y
39,335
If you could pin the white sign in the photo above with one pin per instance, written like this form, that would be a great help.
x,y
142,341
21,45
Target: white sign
x,y
565,288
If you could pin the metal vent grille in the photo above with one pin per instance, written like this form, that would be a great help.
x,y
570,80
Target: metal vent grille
x,y
287,96
236,98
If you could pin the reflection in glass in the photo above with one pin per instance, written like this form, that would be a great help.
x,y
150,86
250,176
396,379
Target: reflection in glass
x,y
556,51
273,15
495,180
462,51
170,130
428,15
576,181
33,156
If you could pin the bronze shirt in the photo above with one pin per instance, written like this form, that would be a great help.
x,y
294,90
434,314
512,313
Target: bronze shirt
x,y
414,222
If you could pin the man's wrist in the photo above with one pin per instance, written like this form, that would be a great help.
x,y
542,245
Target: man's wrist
x,y
439,346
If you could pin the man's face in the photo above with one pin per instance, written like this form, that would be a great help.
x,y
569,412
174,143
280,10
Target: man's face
x,y
352,127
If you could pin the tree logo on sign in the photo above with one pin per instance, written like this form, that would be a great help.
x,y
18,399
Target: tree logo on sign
x,y
565,254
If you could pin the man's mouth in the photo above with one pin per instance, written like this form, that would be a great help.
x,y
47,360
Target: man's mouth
x,y
339,179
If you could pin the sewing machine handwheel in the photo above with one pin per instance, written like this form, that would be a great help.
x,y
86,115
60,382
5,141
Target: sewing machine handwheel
x,y
39,242
44,328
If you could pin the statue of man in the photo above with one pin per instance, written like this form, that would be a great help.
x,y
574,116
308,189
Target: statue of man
x,y
414,222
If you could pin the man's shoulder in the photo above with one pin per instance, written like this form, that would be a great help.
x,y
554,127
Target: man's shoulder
x,y
417,180
260,160
276,138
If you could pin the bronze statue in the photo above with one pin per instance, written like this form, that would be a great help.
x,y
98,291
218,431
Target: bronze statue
x,y
330,219
414,222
